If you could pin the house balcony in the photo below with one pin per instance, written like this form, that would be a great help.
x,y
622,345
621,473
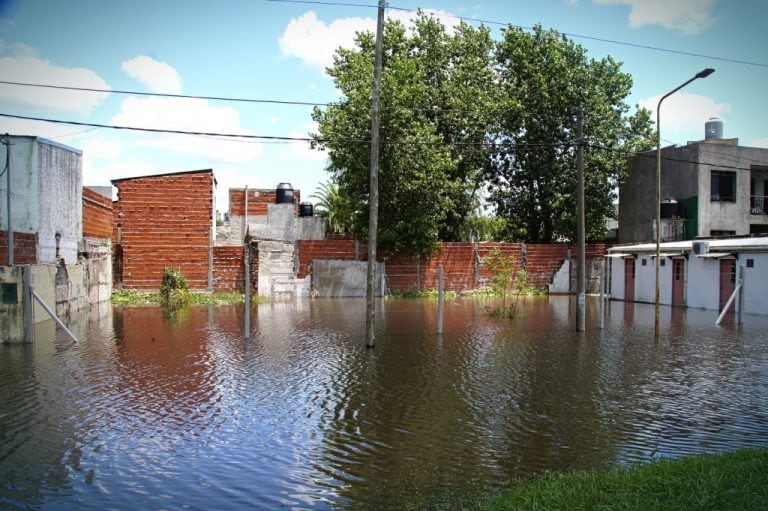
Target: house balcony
x,y
758,205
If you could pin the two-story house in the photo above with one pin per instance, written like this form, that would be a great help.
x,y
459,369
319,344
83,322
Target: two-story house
x,y
712,187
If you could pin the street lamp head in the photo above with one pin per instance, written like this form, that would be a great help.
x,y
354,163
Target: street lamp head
x,y
705,72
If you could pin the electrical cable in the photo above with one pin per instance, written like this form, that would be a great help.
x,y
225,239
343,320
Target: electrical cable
x,y
521,27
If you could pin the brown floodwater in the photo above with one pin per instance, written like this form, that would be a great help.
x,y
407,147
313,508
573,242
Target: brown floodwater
x,y
152,412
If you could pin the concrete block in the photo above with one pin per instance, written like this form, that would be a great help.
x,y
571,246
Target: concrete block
x,y
336,279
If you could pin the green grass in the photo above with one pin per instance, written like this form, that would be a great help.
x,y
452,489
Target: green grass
x,y
131,297
736,480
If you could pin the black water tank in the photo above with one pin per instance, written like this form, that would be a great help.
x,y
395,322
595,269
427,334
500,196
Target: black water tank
x,y
306,209
284,193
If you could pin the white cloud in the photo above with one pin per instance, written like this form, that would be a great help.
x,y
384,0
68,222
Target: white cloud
x,y
687,16
156,76
301,150
685,113
313,42
28,68
188,115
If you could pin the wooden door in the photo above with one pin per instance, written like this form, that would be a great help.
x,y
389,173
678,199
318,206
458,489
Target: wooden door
x,y
727,280
678,282
629,279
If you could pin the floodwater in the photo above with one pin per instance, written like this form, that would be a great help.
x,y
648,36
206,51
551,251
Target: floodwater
x,y
147,412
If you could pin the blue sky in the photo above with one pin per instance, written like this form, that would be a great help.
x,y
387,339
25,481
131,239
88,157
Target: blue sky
x,y
278,50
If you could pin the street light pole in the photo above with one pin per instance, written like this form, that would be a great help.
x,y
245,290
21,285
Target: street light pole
x,y
701,74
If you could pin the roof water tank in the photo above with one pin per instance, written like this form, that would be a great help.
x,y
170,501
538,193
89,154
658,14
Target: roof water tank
x,y
306,209
284,193
713,129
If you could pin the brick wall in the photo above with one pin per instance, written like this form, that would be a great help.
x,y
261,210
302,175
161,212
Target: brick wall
x,y
343,249
163,221
228,268
97,215
24,248
258,201
462,262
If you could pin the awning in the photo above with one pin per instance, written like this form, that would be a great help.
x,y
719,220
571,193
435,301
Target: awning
x,y
620,255
716,255
669,254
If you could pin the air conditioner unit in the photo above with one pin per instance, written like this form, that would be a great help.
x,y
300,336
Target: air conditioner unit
x,y
700,247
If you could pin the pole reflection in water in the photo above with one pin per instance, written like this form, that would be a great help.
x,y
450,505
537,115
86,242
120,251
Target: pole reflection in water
x,y
157,412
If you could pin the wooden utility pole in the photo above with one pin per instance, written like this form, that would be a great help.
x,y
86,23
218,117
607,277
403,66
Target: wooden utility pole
x,y
581,262
373,219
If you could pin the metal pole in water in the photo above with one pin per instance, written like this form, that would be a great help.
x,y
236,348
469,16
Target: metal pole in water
x,y
29,320
247,272
740,303
602,294
52,314
440,300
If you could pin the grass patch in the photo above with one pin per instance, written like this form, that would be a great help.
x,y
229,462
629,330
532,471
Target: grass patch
x,y
138,298
732,481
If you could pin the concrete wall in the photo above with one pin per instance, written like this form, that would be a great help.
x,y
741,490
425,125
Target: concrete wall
x,y
25,189
46,196
12,314
338,279
277,271
66,289
164,221
61,206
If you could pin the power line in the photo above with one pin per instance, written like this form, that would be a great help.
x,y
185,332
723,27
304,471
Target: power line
x,y
164,95
238,137
569,34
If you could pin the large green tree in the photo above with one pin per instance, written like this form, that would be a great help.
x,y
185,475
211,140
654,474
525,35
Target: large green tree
x,y
436,101
458,112
547,81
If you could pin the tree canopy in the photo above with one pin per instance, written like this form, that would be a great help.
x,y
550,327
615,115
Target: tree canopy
x,y
465,119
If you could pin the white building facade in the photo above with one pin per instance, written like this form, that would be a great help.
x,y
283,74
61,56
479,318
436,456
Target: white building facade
x,y
701,274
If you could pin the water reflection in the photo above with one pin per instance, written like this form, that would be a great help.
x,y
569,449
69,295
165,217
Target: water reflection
x,y
173,412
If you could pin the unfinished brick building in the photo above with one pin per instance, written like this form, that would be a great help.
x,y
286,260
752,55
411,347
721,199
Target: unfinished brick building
x,y
164,220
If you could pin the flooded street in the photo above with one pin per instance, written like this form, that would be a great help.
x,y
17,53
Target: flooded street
x,y
149,412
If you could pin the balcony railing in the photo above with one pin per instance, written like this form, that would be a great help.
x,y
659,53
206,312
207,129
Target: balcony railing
x,y
758,205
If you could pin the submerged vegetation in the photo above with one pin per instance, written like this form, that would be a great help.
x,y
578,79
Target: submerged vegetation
x,y
506,278
174,294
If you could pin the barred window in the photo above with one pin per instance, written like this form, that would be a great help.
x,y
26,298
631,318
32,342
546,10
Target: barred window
x,y
723,186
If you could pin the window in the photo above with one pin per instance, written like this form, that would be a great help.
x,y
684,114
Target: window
x,y
723,186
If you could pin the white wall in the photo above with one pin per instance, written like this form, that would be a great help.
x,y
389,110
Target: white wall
x,y
617,278
61,202
24,190
755,283
702,282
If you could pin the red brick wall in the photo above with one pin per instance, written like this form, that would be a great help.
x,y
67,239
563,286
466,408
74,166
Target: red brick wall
x,y
163,221
97,215
463,268
327,249
258,201
228,268
24,248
